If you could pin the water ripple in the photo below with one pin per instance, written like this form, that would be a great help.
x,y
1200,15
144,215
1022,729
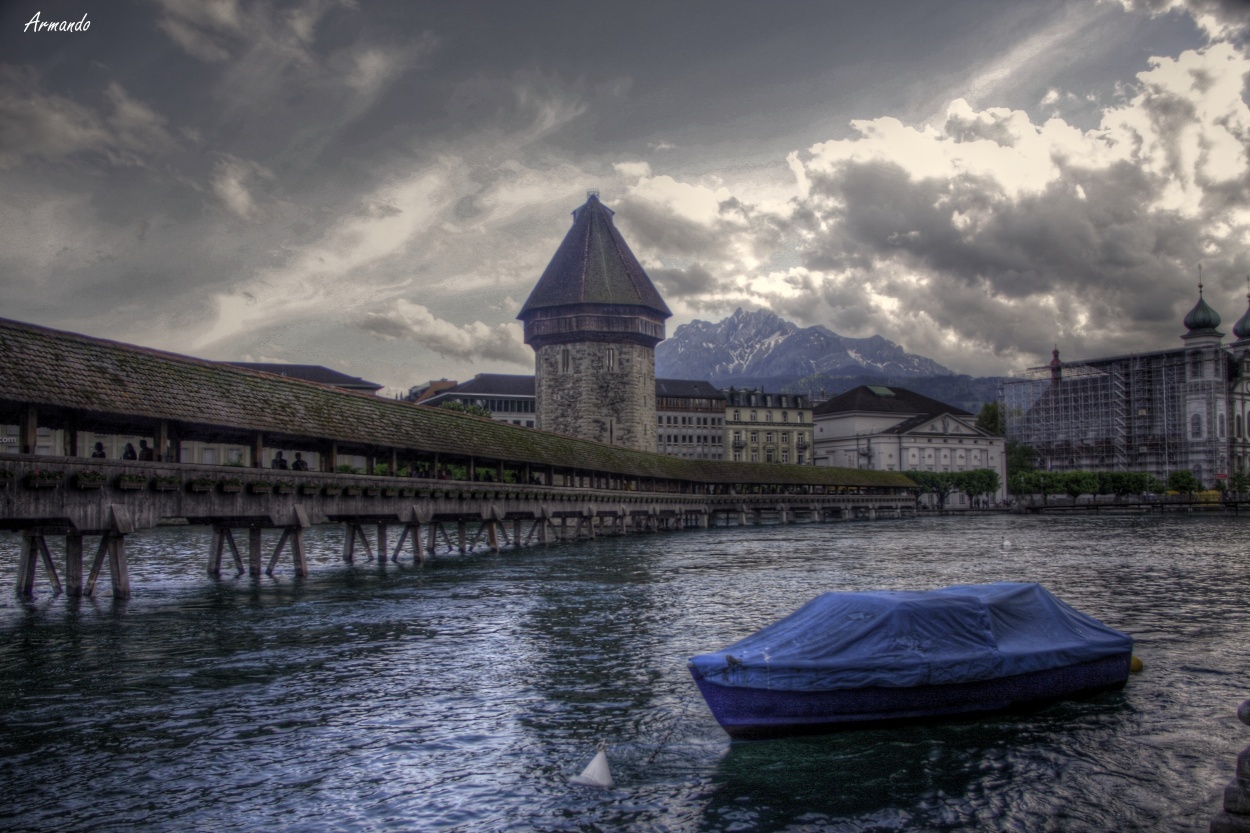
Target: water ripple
x,y
461,694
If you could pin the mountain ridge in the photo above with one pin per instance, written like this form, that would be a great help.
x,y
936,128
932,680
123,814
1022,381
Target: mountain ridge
x,y
762,349
762,344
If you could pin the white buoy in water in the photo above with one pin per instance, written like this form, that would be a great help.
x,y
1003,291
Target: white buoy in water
x,y
596,773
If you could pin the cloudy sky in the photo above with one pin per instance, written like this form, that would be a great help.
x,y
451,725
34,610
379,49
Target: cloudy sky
x,y
376,186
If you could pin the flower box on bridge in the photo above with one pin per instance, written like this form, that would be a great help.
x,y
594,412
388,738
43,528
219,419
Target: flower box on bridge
x,y
44,479
351,491
333,489
260,487
284,487
166,484
390,491
231,485
309,488
90,480
373,491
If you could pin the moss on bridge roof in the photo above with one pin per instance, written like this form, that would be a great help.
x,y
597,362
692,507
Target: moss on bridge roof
x,y
42,366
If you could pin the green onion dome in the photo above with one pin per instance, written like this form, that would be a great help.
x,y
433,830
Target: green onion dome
x,y
1242,328
1201,318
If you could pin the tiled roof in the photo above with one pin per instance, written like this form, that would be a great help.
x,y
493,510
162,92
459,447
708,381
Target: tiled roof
x,y
506,384
311,373
687,389
594,266
495,384
45,367
875,399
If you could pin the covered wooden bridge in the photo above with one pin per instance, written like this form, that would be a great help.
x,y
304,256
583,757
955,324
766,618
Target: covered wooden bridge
x,y
428,473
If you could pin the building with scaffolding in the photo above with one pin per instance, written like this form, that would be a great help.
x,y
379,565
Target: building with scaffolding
x,y
1157,412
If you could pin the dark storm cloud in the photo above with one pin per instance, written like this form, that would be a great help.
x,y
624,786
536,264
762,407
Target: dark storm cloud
x,y
231,173
996,233
1229,16
683,283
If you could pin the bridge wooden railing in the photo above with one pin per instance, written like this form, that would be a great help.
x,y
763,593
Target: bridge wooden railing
x,y
74,497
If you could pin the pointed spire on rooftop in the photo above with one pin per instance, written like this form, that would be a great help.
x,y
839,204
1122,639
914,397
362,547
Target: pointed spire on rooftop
x,y
594,265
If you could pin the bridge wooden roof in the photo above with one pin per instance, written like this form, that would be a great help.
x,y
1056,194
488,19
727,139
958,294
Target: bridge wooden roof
x,y
45,367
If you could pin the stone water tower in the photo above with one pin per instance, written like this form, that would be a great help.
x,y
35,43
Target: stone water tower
x,y
594,320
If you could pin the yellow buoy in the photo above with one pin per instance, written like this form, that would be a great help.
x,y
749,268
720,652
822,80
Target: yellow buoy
x,y
1135,664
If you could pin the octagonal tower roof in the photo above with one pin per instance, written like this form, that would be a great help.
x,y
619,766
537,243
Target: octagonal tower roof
x,y
594,266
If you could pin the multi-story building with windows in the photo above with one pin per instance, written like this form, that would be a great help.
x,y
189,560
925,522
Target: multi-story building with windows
x,y
1162,411
895,429
690,414
767,427
508,397
691,418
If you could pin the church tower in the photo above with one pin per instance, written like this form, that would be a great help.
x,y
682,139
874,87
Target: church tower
x,y
1206,394
594,320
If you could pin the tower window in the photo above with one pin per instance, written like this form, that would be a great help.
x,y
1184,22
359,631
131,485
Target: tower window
x,y
566,361
610,359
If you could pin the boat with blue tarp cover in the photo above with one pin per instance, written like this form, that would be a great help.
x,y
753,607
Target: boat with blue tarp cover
x,y
850,659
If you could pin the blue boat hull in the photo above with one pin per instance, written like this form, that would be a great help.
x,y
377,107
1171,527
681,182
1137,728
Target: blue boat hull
x,y
758,713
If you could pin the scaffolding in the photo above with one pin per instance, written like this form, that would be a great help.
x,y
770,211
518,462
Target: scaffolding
x,y
1154,412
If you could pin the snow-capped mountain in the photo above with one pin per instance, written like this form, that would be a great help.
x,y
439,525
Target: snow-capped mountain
x,y
751,346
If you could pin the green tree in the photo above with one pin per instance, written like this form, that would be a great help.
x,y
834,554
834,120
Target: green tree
x,y
990,418
1077,483
470,409
979,482
1019,457
1239,482
939,483
1183,482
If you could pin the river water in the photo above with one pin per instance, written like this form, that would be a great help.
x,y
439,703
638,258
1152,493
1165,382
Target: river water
x,y
462,694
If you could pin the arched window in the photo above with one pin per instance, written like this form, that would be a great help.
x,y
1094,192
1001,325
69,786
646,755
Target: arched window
x,y
1238,426
1222,426
1195,426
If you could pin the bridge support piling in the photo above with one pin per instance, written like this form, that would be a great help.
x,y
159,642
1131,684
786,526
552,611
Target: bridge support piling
x,y
460,536
254,555
26,566
294,536
432,541
382,544
492,536
73,564
413,531
222,536
118,572
354,531
349,542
